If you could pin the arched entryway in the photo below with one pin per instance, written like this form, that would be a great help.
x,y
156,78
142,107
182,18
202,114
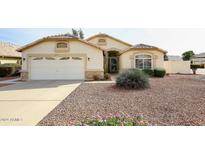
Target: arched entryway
x,y
112,61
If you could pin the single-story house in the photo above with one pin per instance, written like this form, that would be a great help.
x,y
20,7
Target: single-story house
x,y
66,57
199,59
8,53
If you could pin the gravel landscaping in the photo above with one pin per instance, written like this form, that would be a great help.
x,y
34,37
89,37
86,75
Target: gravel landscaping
x,y
173,100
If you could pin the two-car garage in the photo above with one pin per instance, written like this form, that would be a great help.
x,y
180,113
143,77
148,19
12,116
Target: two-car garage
x,y
57,68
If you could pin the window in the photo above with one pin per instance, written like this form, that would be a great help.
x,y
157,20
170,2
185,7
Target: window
x,y
64,58
38,58
76,58
101,42
143,61
50,58
62,45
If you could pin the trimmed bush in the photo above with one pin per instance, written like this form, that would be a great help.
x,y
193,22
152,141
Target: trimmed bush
x,y
9,69
132,79
159,72
194,67
149,72
5,71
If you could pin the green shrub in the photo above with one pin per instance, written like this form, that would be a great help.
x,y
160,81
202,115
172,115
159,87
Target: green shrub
x,y
132,79
115,121
107,76
9,69
5,71
159,72
149,72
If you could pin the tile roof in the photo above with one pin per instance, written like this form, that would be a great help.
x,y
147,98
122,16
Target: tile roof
x,y
106,35
9,50
57,37
67,35
145,46
201,55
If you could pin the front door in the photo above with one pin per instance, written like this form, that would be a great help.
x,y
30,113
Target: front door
x,y
113,65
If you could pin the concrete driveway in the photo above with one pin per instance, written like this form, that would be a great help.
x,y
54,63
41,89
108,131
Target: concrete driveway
x,y
28,102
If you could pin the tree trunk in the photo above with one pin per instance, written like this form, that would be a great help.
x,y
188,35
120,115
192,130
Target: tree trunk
x,y
194,71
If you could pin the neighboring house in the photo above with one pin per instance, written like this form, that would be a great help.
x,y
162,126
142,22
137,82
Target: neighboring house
x,y
8,53
65,57
174,58
199,59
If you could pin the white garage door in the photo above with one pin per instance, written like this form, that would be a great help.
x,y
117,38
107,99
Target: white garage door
x,y
57,68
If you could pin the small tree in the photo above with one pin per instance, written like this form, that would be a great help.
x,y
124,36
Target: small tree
x,y
75,32
78,33
194,68
81,34
187,55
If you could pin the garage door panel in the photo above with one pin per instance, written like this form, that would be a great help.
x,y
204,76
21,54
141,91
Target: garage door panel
x,y
57,69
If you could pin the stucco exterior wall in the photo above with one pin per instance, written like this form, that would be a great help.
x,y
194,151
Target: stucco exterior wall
x,y
110,43
177,67
94,56
127,59
200,71
11,61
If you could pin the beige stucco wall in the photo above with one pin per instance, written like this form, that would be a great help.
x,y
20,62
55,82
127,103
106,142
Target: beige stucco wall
x,y
75,47
11,61
127,59
110,43
177,67
200,71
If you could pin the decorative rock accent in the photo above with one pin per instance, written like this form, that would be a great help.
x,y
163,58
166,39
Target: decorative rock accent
x,y
89,74
24,75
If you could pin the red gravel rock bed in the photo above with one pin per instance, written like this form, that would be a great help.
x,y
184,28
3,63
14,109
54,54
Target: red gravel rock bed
x,y
173,100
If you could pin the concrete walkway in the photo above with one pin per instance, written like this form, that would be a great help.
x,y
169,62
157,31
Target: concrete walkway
x,y
27,103
10,81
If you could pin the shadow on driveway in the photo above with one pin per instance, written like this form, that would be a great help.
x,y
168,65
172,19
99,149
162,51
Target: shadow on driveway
x,y
38,85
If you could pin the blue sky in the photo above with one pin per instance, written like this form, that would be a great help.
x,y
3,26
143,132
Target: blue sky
x,y
175,41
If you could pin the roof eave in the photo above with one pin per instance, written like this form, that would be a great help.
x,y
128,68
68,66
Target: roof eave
x,y
106,35
133,48
10,56
52,39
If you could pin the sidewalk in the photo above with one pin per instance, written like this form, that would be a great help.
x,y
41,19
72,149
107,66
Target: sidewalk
x,y
9,81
